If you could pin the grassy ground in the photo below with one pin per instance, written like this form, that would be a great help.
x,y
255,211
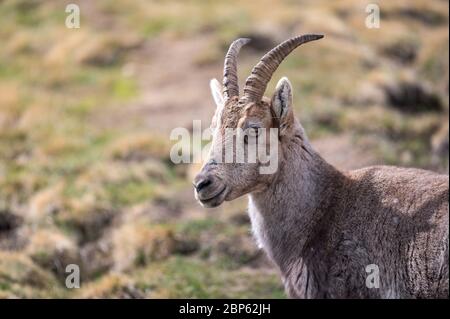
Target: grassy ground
x,y
85,115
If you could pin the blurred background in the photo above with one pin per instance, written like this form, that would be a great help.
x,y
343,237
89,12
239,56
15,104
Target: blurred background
x,y
85,118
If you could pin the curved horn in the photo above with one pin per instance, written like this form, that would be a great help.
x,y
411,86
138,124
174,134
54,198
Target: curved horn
x,y
256,83
230,79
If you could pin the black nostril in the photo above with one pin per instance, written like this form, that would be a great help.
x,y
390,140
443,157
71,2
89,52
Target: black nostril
x,y
202,184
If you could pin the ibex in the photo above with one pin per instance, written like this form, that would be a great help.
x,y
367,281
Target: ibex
x,y
376,232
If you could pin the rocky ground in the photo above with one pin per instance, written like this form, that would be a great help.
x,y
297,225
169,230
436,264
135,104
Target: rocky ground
x,y
85,118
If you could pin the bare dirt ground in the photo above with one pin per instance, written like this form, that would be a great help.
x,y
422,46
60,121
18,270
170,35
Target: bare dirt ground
x,y
175,90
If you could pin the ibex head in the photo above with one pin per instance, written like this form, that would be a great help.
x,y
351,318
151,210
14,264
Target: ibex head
x,y
254,114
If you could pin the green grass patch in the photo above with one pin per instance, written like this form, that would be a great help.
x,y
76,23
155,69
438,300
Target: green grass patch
x,y
124,88
187,277
130,192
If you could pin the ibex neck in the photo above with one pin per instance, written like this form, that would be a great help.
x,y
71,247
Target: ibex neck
x,y
291,212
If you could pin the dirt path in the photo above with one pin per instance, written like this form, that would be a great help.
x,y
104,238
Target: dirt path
x,y
172,97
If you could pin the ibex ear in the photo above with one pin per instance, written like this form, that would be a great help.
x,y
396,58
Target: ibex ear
x,y
282,103
216,91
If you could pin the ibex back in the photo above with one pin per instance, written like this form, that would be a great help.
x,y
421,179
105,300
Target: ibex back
x,y
327,231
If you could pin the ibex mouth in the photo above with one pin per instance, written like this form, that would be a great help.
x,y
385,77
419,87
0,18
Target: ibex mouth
x,y
215,200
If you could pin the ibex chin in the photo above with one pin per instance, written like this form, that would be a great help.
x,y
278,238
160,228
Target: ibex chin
x,y
377,232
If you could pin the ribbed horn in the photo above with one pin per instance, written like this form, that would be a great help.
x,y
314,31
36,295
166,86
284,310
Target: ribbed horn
x,y
230,78
256,83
